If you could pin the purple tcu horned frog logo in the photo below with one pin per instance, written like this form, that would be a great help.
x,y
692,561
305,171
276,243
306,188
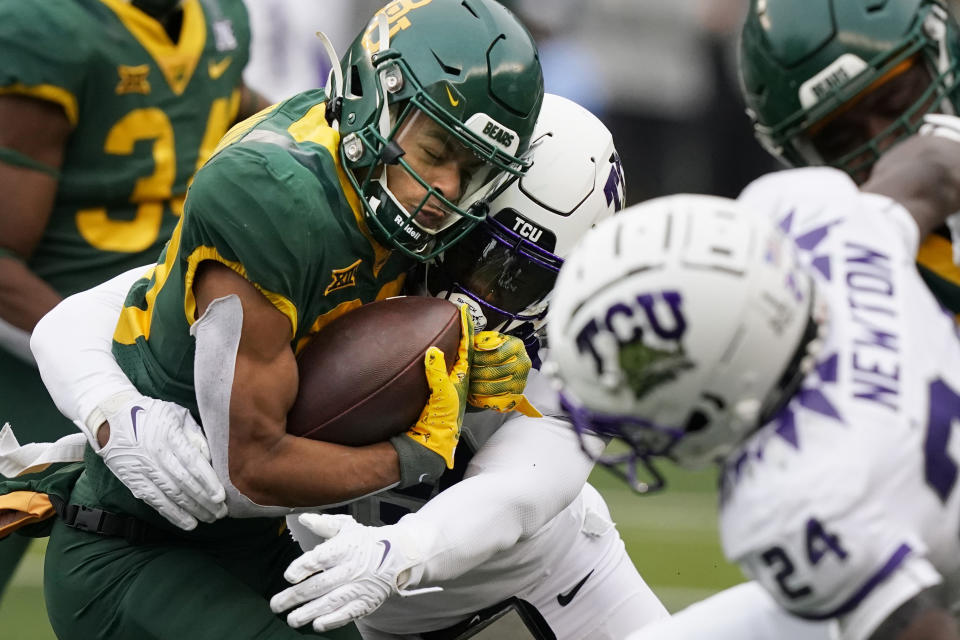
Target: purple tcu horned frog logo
x,y
648,332
613,188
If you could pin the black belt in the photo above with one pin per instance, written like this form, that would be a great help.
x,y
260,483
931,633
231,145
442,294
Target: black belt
x,y
112,525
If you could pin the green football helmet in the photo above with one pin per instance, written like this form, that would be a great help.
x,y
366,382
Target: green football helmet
x,y
441,96
804,65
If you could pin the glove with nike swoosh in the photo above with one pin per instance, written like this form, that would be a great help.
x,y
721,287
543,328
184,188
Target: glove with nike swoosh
x,y
350,574
159,452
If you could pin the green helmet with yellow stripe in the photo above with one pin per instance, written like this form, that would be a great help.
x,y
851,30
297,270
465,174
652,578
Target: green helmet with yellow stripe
x,y
808,67
432,88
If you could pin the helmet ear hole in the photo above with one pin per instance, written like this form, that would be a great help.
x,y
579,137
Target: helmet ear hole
x,y
355,86
697,421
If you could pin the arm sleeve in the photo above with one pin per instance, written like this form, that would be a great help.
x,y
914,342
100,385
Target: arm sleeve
x,y
72,347
524,475
800,197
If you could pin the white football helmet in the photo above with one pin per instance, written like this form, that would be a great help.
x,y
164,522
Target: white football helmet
x,y
680,326
505,269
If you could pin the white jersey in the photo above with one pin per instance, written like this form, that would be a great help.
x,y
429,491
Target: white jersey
x,y
845,504
513,518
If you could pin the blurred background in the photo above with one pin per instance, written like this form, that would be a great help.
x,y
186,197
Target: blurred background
x,y
661,74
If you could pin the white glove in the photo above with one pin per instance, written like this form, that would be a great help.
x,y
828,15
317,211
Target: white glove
x,y
941,124
158,451
350,575
945,126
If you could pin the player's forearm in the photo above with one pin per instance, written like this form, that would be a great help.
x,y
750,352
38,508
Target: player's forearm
x,y
922,617
251,102
931,624
923,175
24,297
265,463
297,472
33,136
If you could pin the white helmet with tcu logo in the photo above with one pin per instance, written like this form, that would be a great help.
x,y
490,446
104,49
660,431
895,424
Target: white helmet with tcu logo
x,y
505,269
679,326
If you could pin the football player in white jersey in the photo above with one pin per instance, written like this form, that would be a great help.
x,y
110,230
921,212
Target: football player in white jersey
x,y
513,535
788,336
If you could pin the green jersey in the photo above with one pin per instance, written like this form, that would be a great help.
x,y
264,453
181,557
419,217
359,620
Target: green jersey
x,y
146,113
273,205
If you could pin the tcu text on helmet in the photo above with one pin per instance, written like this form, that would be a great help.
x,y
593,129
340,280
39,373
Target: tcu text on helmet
x,y
527,230
632,321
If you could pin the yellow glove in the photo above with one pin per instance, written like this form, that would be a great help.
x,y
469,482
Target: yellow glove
x,y
438,427
499,374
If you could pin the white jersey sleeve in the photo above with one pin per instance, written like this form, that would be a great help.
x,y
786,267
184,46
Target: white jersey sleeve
x,y
777,194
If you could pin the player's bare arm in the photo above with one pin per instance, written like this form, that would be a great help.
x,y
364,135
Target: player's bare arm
x,y
923,617
251,102
266,464
33,134
922,174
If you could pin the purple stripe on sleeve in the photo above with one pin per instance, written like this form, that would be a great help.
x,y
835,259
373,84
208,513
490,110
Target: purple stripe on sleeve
x,y
891,565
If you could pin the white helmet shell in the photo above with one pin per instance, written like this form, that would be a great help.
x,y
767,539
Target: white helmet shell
x,y
576,179
677,319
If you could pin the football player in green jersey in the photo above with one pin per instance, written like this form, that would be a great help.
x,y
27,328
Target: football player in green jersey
x,y
309,209
837,83
107,108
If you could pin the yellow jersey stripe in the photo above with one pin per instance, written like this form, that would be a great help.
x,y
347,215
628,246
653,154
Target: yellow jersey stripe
x,y
280,302
177,61
50,93
135,322
313,127
936,254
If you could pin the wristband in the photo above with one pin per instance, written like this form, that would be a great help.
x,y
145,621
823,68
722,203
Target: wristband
x,y
417,463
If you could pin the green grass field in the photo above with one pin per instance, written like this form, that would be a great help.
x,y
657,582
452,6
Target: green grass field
x,y
672,538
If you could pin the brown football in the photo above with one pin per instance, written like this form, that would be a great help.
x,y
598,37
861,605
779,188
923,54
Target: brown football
x,y
362,378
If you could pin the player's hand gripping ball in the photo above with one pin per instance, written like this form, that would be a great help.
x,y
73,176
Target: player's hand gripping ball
x,y
498,374
438,428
